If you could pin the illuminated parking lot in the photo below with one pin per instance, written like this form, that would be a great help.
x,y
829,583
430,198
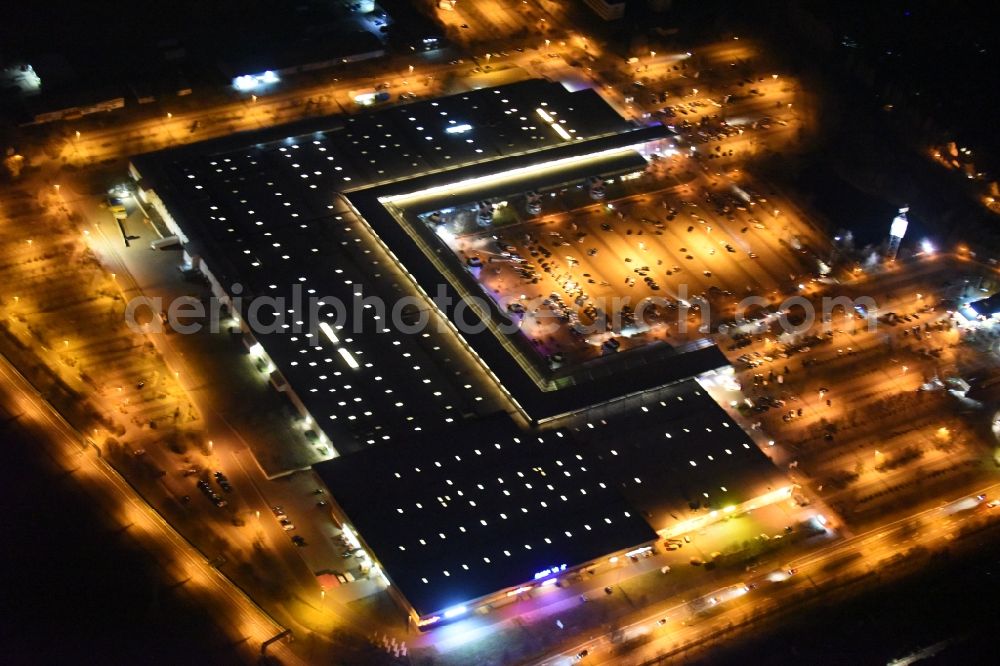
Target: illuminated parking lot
x,y
641,257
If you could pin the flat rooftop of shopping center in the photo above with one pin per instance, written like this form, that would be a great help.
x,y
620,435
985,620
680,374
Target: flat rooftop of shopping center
x,y
482,507
291,210
454,498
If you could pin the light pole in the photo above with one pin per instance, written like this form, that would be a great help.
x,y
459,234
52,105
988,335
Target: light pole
x,y
76,143
166,127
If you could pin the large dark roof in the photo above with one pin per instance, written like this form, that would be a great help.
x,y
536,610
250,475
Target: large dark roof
x,y
675,453
988,306
459,514
262,209
265,212
661,457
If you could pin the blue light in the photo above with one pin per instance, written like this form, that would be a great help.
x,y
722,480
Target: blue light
x,y
454,611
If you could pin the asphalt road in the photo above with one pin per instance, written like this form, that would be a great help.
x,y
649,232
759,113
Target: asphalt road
x,y
244,622
693,620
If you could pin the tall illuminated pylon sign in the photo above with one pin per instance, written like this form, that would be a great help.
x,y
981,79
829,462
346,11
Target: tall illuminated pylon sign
x,y
896,232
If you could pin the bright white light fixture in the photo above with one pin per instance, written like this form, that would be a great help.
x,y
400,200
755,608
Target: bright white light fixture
x,y
249,82
899,224
348,358
328,331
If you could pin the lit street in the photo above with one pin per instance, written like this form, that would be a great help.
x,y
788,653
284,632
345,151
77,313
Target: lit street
x,y
243,620
450,332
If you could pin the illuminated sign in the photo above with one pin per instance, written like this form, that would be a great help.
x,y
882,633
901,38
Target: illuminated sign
x,y
899,224
251,81
458,129
551,570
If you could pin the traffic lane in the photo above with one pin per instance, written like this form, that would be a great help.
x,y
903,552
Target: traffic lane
x,y
593,271
703,219
267,110
877,545
543,606
107,487
758,220
226,442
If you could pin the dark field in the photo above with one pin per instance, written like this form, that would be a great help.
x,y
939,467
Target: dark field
x,y
947,610
76,589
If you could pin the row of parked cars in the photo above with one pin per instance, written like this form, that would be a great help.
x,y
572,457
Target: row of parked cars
x,y
287,525
208,491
